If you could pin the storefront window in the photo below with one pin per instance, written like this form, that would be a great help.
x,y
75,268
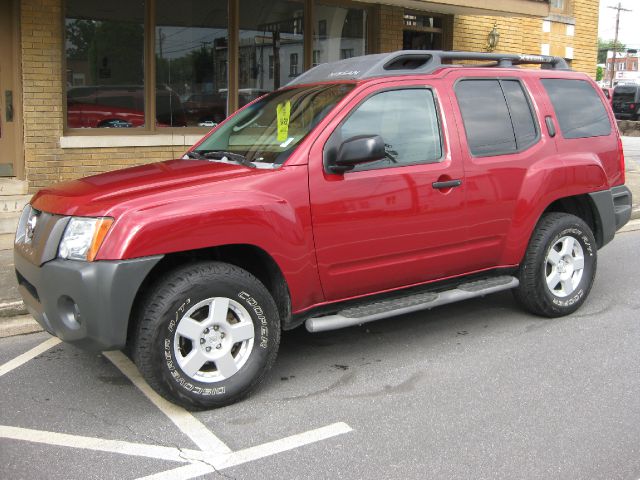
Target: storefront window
x,y
104,48
185,80
191,63
271,46
339,33
422,32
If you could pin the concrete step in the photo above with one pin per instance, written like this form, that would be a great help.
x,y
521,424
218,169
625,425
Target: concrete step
x,y
13,203
6,240
11,186
9,222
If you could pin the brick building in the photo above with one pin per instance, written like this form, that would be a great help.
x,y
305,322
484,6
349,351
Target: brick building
x,y
89,86
625,69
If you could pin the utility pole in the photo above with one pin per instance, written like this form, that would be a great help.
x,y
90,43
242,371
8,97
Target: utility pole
x,y
615,41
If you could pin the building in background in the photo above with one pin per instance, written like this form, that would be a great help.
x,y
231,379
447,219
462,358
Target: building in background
x,y
88,86
624,70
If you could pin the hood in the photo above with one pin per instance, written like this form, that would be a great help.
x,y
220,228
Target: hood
x,y
101,195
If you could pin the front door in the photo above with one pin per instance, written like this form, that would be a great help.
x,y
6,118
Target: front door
x,y
397,221
10,139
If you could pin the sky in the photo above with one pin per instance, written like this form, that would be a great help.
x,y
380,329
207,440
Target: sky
x,y
629,32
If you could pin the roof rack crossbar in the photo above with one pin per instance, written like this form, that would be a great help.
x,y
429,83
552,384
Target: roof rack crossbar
x,y
406,62
507,59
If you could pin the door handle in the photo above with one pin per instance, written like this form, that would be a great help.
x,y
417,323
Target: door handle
x,y
447,184
551,128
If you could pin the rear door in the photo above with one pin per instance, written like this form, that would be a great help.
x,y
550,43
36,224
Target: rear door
x,y
500,127
388,224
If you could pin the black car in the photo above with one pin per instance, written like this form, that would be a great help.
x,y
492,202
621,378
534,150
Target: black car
x,y
626,102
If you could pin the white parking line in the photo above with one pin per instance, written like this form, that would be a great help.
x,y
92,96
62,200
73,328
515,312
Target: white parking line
x,y
213,454
214,463
204,438
284,444
25,357
181,473
92,443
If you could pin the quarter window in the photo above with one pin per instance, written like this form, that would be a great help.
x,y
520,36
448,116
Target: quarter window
x,y
406,120
497,116
578,107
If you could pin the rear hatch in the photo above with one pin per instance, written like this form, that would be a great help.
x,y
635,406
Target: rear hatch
x,y
625,99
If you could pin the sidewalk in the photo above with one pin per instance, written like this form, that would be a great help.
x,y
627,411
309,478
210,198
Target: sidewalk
x,y
14,318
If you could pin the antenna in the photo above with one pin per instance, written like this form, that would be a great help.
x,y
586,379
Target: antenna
x,y
615,40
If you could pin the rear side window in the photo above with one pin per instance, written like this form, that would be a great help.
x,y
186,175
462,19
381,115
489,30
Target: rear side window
x,y
579,109
497,116
524,127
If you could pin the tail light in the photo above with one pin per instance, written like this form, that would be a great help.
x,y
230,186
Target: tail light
x,y
621,160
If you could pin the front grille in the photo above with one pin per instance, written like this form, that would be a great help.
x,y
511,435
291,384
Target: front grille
x,y
39,235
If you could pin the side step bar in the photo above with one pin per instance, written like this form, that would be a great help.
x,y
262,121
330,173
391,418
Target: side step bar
x,y
380,309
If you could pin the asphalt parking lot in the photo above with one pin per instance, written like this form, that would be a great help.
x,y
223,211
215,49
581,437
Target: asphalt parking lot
x,y
478,390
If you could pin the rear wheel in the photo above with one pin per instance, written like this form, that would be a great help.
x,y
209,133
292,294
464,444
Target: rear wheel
x,y
207,335
559,266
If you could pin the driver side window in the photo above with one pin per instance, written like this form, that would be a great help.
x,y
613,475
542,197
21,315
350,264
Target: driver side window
x,y
406,120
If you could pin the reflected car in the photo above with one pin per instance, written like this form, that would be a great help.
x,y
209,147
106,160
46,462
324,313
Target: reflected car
x,y
122,106
209,109
205,108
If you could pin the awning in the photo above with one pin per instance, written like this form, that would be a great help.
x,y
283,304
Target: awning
x,y
511,8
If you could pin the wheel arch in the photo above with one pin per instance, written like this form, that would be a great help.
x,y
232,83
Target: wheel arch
x,y
583,207
248,257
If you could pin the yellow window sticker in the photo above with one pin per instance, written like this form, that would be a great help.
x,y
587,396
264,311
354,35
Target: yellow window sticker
x,y
283,110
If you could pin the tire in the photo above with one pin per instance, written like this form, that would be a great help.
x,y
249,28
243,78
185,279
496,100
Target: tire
x,y
206,336
556,284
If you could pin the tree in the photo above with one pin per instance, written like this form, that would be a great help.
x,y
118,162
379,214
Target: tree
x,y
599,74
79,36
606,45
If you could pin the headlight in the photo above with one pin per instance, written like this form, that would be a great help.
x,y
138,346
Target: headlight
x,y
82,238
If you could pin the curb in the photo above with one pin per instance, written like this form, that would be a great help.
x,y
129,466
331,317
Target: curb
x,y
12,309
632,225
21,325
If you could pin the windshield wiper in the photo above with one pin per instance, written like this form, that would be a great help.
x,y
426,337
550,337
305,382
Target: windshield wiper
x,y
194,154
221,154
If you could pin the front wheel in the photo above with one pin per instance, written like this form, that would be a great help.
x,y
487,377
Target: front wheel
x,y
559,266
207,335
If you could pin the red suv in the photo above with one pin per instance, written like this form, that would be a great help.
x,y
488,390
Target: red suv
x,y
364,189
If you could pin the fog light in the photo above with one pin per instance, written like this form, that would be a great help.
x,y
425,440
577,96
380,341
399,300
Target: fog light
x,y
69,312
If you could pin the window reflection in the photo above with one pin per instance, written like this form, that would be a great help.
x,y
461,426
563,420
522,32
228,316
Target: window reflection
x,y
191,63
340,33
104,48
271,46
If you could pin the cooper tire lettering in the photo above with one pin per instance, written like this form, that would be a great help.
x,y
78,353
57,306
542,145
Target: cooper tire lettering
x,y
159,336
556,284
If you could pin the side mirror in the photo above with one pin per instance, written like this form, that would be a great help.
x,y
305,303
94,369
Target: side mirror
x,y
357,150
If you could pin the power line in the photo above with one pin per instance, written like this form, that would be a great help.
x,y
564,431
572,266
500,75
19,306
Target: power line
x,y
615,41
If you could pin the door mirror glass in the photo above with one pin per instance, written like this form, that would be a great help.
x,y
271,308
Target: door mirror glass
x,y
357,150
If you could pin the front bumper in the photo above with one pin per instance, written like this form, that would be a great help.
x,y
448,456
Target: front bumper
x,y
84,303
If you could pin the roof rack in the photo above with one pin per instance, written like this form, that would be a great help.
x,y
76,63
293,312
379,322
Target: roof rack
x,y
404,62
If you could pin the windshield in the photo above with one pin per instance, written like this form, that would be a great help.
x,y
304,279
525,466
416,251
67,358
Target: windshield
x,y
269,130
